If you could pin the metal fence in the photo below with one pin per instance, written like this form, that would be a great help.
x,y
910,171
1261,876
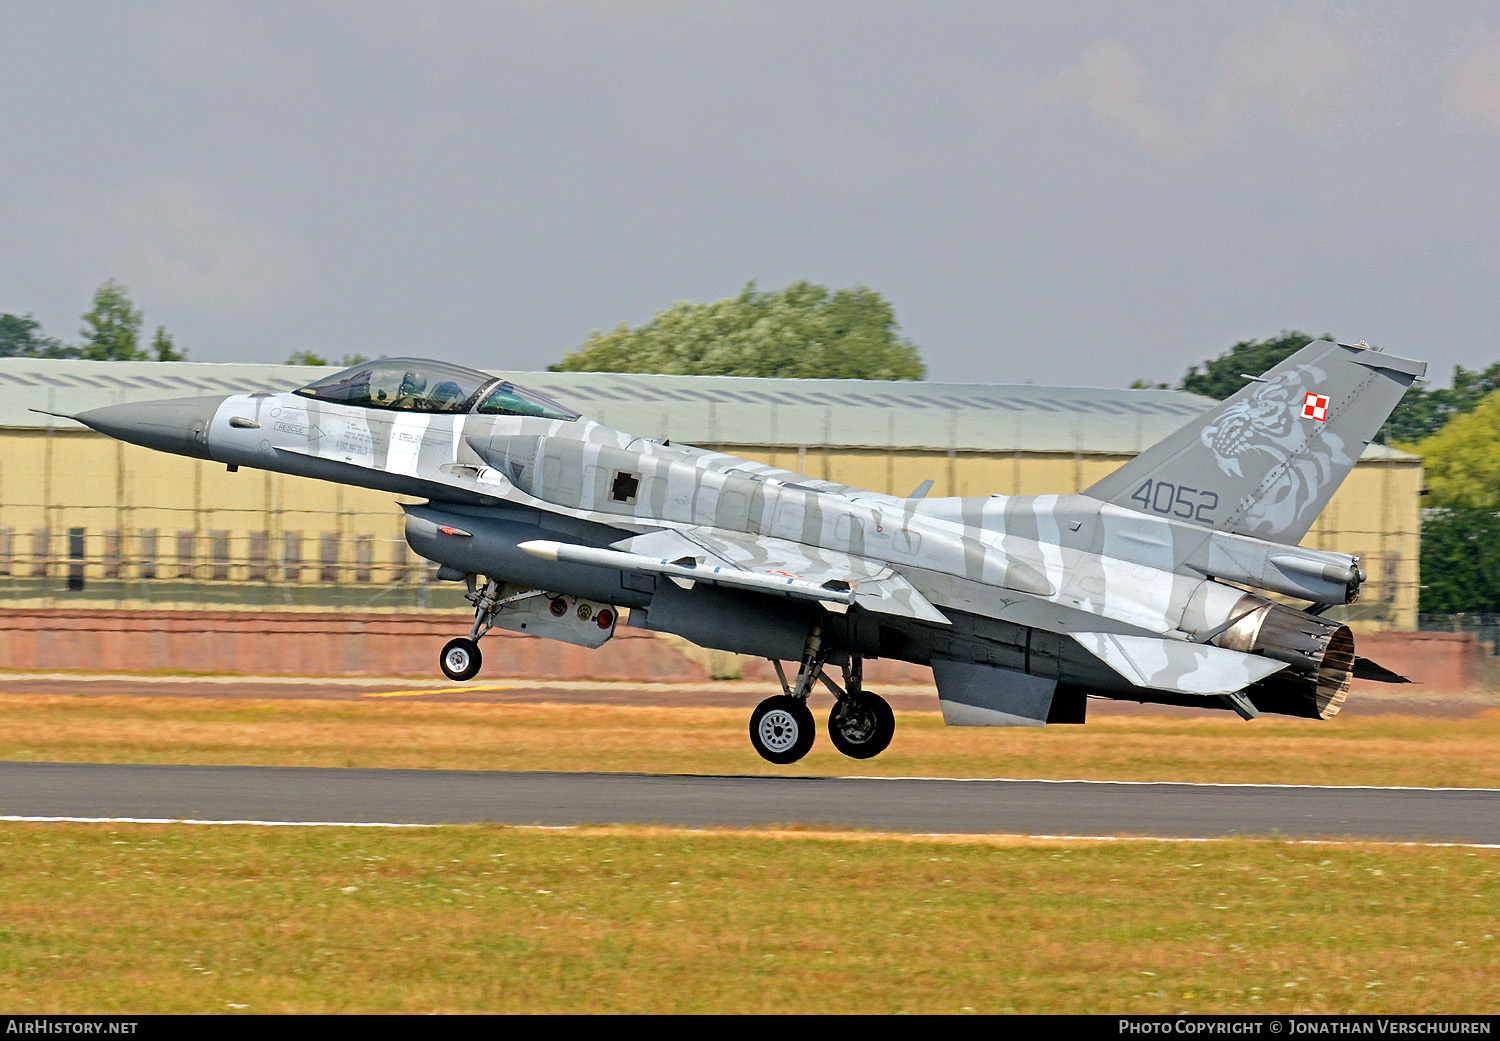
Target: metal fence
x,y
1485,626
217,568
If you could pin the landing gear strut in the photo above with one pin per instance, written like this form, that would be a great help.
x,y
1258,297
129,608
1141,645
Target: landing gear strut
x,y
781,727
461,659
860,725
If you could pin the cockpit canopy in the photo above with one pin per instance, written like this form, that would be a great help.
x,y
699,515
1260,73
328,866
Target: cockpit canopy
x,y
417,385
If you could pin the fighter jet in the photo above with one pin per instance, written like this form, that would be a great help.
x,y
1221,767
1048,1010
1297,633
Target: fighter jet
x,y
1151,586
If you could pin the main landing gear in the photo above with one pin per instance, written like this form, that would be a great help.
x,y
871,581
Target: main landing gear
x,y
860,725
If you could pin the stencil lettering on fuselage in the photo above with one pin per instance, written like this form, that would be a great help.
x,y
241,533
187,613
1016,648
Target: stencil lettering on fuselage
x,y
355,443
407,432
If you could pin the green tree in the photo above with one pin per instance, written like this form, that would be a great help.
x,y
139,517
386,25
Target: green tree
x,y
804,331
164,348
1460,560
1222,376
1461,526
112,330
1461,463
21,337
309,358
1421,413
1424,411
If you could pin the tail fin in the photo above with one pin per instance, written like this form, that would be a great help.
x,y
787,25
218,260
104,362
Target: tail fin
x,y
1265,461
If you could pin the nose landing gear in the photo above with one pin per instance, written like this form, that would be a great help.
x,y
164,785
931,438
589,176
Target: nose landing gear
x,y
555,616
461,659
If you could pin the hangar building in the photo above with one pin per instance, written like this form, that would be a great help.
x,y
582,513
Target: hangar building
x,y
89,521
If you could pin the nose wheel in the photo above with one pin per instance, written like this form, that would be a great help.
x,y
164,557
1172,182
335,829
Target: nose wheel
x,y
460,659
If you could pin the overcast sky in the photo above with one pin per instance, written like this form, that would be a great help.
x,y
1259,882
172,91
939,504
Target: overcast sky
x,y
1072,193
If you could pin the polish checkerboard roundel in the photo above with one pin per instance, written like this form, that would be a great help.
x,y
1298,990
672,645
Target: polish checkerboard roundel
x,y
1315,406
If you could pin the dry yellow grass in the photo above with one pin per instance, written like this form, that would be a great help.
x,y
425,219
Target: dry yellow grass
x,y
1376,750
143,919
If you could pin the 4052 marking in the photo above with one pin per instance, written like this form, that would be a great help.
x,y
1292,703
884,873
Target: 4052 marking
x,y
1177,500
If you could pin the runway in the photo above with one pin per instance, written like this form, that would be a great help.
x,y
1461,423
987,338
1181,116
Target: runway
x,y
909,805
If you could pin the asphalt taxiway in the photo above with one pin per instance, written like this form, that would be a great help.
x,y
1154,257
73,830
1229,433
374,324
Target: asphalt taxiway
x,y
913,805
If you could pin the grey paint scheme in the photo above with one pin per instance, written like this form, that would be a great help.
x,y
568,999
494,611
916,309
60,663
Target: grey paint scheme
x,y
1277,472
1122,591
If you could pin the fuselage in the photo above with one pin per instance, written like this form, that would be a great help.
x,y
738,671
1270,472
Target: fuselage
x,y
1006,574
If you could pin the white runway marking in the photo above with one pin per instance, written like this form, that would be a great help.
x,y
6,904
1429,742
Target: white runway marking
x,y
706,831
190,820
1174,784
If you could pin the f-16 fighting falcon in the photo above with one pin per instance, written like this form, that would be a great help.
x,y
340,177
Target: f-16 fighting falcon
x,y
1148,586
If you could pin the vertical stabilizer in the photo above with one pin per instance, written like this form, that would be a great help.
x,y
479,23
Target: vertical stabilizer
x,y
1265,461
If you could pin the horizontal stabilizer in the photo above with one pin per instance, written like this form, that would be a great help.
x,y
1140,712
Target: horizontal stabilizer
x,y
1175,665
1365,669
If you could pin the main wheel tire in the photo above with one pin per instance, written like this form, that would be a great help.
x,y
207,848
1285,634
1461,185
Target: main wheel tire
x,y
861,727
782,729
460,659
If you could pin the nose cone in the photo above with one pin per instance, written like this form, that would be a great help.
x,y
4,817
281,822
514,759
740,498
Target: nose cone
x,y
179,425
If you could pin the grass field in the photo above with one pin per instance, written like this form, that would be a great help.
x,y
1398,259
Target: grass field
x,y
1374,750
133,919
150,919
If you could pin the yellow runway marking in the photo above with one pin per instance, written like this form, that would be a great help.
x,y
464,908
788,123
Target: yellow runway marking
x,y
431,690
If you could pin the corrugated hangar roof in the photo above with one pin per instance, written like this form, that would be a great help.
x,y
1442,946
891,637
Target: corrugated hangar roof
x,y
708,410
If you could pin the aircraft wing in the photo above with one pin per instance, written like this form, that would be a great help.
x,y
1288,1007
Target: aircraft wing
x,y
874,586
759,564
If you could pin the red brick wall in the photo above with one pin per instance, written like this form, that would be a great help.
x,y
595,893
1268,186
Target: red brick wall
x,y
1443,663
272,643
287,643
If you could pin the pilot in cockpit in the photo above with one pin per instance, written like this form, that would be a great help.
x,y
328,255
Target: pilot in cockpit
x,y
409,395
417,385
